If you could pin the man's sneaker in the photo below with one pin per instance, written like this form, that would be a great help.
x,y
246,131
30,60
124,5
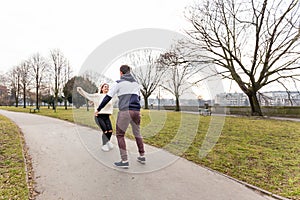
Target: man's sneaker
x,y
110,145
141,159
122,164
105,147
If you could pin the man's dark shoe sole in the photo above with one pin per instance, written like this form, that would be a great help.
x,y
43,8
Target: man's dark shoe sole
x,y
141,161
121,165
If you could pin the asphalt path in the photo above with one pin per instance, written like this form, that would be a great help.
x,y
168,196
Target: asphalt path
x,y
69,164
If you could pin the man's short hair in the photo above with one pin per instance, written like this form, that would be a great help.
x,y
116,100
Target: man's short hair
x,y
125,69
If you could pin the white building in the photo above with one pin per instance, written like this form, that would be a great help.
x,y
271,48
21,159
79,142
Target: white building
x,y
273,98
280,98
232,99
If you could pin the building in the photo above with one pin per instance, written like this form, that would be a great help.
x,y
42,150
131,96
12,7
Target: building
x,y
272,98
232,99
280,98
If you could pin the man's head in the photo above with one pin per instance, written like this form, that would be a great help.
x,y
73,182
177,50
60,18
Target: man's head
x,y
124,69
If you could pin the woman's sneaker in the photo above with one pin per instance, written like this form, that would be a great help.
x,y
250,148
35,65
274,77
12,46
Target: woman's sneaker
x,y
110,145
105,148
141,159
122,164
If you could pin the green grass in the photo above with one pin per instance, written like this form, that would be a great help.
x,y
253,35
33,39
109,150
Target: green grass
x,y
264,153
13,183
261,152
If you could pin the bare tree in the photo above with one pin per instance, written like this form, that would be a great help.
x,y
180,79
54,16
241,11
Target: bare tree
x,y
3,79
255,43
96,77
25,79
147,70
39,68
16,84
58,63
14,78
179,72
66,77
3,90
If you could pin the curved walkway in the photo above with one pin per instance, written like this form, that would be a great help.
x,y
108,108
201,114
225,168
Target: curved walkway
x,y
68,164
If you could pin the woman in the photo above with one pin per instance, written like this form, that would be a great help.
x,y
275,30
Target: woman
x,y
102,119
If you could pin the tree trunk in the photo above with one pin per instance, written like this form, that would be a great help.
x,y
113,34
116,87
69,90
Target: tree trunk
x,y
87,105
55,99
24,97
177,107
55,92
17,100
254,103
146,101
37,98
66,103
37,89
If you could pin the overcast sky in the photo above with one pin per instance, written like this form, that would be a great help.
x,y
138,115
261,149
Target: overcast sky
x,y
77,27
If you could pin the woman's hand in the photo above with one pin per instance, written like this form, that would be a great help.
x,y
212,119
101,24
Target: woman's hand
x,y
79,89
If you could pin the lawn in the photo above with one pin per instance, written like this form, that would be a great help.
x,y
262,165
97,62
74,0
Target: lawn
x,y
261,152
13,183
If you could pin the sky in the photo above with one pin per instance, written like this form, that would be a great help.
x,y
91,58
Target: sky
x,y
77,27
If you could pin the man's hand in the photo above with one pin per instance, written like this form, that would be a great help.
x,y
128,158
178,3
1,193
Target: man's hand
x,y
96,113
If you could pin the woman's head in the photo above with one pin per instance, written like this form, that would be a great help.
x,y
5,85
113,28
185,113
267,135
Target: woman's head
x,y
104,88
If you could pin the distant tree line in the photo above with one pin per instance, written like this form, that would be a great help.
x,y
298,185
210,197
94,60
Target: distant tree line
x,y
40,79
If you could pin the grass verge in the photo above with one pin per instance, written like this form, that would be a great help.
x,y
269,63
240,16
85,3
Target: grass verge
x,y
14,163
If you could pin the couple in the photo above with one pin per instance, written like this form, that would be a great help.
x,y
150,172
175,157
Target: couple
x,y
127,89
102,119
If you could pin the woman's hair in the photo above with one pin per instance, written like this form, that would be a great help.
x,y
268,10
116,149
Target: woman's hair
x,y
101,87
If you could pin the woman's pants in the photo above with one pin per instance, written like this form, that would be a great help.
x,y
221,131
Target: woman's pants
x,y
103,121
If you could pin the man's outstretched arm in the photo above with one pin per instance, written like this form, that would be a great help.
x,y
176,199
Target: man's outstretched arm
x,y
105,100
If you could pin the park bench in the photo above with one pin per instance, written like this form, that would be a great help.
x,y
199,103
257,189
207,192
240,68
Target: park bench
x,y
204,112
33,110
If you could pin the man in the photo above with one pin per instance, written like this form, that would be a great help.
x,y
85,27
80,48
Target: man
x,y
127,89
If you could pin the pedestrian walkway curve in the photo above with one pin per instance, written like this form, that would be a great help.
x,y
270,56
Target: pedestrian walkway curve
x,y
68,164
